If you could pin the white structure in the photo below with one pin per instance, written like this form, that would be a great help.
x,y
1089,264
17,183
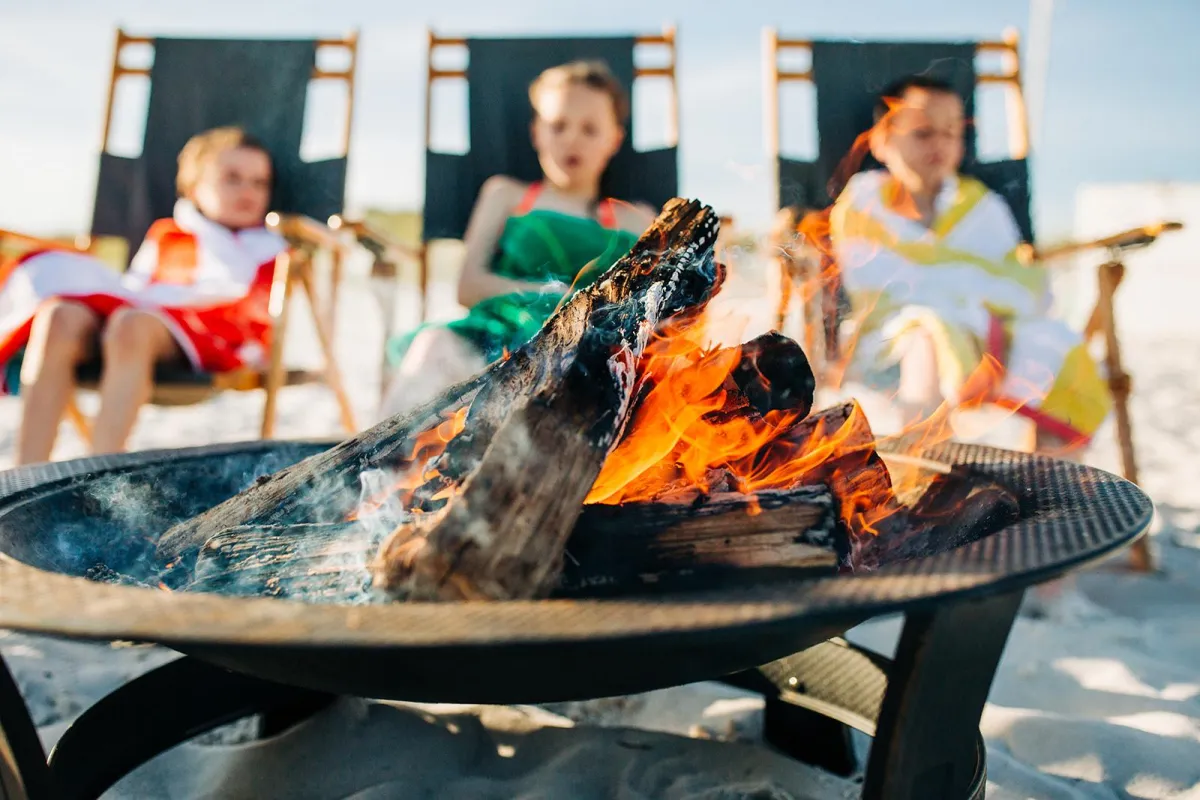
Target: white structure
x,y
1161,291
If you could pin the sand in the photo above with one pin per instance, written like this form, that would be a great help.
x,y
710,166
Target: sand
x,y
1097,698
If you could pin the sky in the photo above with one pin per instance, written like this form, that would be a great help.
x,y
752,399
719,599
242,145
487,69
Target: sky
x,y
1120,102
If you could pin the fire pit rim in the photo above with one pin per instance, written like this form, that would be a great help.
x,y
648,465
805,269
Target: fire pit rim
x,y
37,600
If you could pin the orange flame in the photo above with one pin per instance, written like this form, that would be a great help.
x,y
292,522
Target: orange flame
x,y
691,431
428,445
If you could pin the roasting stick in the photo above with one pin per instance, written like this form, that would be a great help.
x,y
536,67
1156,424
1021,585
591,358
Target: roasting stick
x,y
917,461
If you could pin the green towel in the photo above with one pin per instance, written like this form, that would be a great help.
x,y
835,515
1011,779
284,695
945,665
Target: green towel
x,y
538,246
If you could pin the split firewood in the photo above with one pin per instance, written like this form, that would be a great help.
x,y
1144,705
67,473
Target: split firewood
x,y
611,549
627,548
724,535
768,374
669,270
317,563
937,512
323,487
834,446
701,413
502,532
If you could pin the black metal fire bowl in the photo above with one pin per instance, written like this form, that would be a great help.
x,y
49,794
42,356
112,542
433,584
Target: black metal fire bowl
x,y
58,521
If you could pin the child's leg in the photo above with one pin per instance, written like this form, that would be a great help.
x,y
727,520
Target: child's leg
x,y
132,342
437,359
62,337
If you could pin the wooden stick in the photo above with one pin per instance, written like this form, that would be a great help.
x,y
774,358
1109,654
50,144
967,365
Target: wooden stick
x,y
333,375
280,307
1110,275
908,460
328,480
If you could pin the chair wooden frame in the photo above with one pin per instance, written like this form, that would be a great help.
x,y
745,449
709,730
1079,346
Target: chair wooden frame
x,y
294,267
438,43
1102,322
1008,76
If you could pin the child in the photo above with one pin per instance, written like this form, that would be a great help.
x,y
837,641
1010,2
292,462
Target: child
x,y
527,245
196,292
930,260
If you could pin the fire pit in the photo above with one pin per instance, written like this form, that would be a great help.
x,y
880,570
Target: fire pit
x,y
618,506
60,523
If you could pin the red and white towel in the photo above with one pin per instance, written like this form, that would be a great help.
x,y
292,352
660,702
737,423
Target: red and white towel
x,y
209,285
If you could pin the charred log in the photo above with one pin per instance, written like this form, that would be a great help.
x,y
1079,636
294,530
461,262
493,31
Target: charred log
x,y
503,530
611,549
635,547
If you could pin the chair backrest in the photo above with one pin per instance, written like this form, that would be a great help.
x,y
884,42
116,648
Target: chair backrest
x,y
197,84
498,76
848,78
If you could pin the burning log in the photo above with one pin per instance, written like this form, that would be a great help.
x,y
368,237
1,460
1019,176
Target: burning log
x,y
318,489
938,511
773,374
782,529
701,411
626,547
670,270
500,532
613,450
612,548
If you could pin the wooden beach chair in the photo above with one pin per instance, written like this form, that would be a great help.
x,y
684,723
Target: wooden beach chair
x,y
498,72
847,77
263,86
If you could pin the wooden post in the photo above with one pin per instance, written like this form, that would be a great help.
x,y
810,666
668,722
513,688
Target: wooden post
x,y
82,424
423,292
113,77
770,46
333,375
335,284
1018,117
1110,274
281,300
783,262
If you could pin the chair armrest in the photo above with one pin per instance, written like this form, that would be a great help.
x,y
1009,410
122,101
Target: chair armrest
x,y
381,244
300,230
81,243
1125,240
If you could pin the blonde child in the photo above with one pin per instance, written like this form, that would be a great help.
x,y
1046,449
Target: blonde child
x,y
196,293
528,244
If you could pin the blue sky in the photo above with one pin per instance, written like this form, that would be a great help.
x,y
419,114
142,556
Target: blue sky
x,y
1121,100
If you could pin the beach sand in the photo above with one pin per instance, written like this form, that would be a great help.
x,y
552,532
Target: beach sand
x,y
1098,697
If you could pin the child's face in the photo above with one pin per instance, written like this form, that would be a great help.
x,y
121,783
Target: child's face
x,y
922,141
575,133
234,189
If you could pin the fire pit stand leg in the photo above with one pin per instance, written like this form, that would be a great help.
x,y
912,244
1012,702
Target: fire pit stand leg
x,y
922,709
23,770
133,724
154,712
925,742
